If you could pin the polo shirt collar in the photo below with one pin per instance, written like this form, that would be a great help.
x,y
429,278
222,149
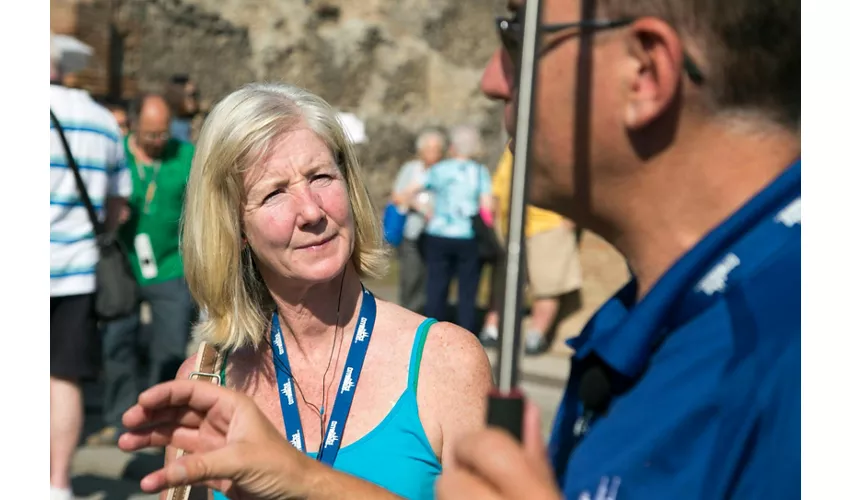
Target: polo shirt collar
x,y
624,333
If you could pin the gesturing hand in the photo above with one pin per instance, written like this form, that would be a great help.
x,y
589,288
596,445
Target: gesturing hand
x,y
231,445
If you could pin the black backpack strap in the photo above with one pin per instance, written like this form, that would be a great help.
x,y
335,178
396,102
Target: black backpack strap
x,y
81,186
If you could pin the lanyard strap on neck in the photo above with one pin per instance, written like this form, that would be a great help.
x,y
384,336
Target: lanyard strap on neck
x,y
347,385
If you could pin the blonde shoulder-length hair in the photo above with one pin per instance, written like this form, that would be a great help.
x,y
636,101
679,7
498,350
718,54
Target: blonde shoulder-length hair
x,y
237,135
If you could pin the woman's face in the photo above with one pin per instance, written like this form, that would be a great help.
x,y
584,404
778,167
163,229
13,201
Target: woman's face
x,y
297,217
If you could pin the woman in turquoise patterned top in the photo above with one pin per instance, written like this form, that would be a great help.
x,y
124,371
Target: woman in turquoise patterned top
x,y
278,232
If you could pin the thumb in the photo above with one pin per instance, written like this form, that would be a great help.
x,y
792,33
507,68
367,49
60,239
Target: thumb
x,y
534,445
532,436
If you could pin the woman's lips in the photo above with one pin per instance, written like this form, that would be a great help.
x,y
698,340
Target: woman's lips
x,y
318,245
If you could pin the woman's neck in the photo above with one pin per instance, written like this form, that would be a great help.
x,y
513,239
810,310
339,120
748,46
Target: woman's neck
x,y
310,315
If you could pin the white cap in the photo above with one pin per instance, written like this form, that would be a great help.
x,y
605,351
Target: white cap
x,y
69,53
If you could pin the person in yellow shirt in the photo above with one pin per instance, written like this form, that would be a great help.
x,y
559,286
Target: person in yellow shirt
x,y
552,263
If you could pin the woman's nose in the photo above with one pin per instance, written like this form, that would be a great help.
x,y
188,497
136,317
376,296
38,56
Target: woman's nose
x,y
309,209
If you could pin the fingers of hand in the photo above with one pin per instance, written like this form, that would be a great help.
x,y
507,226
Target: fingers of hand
x,y
191,440
197,395
156,427
132,441
167,435
179,416
135,417
195,468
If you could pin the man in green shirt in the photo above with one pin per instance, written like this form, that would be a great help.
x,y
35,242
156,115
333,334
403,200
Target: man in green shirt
x,y
159,165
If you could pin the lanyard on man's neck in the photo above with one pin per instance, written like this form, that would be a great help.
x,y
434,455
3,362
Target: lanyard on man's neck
x,y
148,186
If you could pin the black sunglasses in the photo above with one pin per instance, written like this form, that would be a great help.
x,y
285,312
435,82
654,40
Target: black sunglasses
x,y
511,31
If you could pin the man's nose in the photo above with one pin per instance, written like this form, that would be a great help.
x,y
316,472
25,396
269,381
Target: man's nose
x,y
496,80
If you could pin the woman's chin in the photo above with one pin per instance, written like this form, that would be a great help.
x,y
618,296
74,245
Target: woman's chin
x,y
321,271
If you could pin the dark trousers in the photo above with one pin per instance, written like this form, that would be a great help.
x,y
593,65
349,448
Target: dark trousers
x,y
172,314
412,274
447,258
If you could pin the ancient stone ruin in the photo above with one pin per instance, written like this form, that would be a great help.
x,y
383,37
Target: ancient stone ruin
x,y
399,65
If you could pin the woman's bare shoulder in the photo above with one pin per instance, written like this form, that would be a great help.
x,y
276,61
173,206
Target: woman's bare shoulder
x,y
446,343
452,347
398,319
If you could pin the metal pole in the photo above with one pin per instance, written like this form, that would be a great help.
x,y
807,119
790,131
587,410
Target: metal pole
x,y
508,361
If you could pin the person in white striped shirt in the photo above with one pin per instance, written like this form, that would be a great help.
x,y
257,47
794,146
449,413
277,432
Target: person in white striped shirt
x,y
94,140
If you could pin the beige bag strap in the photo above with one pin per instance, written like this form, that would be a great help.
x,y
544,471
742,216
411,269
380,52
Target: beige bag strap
x,y
207,368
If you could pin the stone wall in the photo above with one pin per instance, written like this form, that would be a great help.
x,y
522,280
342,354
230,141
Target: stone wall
x,y
164,37
399,65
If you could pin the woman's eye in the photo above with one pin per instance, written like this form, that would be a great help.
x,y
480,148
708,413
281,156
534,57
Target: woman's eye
x,y
322,179
271,195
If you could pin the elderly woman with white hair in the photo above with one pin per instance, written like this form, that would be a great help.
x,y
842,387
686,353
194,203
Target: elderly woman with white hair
x,y
430,148
279,231
461,188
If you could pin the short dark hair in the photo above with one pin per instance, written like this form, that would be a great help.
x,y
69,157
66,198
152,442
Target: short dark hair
x,y
751,49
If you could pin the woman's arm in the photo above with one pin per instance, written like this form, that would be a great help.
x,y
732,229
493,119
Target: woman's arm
x,y
454,380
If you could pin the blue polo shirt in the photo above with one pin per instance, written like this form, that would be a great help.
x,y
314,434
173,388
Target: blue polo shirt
x,y
704,371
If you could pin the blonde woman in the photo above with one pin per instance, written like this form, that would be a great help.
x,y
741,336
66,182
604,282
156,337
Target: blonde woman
x,y
278,232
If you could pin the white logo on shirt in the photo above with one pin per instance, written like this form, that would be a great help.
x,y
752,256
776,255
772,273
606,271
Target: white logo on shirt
x,y
607,490
332,437
790,215
287,391
347,382
296,440
361,331
715,280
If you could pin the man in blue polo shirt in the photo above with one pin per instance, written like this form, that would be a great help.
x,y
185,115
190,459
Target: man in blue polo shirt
x,y
686,384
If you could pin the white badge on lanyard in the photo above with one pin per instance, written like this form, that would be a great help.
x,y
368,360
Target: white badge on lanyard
x,y
144,250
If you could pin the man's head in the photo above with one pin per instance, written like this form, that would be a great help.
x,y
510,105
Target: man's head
x,y
430,146
636,77
151,122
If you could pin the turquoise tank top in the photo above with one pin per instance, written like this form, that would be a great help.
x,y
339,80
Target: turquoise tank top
x,y
396,454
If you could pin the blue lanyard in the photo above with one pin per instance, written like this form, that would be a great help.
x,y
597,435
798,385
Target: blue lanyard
x,y
345,392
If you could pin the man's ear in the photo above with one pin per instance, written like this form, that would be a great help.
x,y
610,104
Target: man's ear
x,y
656,55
